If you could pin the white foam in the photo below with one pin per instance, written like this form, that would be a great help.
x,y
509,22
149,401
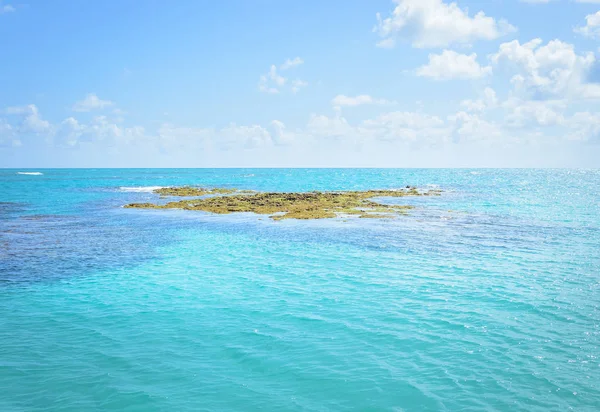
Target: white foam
x,y
140,189
30,173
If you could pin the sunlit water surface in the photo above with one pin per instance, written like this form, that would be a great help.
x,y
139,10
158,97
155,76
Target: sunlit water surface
x,y
486,298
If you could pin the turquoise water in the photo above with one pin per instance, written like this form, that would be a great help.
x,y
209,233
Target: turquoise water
x,y
486,298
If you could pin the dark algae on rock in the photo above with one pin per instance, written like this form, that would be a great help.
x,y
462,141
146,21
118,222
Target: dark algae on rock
x,y
288,205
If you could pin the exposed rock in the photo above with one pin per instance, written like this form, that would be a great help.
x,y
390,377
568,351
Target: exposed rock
x,y
309,205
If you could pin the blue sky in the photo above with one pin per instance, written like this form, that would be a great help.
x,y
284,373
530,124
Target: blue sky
x,y
266,83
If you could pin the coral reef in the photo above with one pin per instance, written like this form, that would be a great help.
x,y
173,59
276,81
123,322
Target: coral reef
x,y
309,205
192,191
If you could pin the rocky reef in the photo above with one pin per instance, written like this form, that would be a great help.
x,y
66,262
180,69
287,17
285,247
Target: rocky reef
x,y
288,205
192,191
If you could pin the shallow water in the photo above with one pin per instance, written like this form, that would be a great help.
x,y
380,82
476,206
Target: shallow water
x,y
486,298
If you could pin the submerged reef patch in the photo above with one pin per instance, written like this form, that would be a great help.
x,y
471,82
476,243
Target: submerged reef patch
x,y
288,205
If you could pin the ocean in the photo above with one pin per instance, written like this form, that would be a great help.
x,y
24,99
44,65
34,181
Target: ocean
x,y
486,298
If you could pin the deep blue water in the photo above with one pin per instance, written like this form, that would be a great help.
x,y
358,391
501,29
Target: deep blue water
x,y
486,298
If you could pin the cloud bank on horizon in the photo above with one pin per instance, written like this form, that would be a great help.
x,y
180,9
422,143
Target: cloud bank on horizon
x,y
403,83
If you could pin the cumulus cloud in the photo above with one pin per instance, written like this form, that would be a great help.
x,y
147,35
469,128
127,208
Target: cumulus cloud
x,y
472,127
289,63
71,133
273,82
91,102
7,135
28,122
452,65
434,23
68,133
342,100
583,126
550,71
243,136
232,136
171,137
404,119
329,127
297,85
592,26
281,135
488,101
522,113
523,119
408,127
394,127
103,128
31,121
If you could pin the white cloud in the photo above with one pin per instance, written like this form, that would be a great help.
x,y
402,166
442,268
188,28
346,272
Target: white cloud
x,y
20,110
7,135
583,126
523,113
297,85
433,23
405,119
263,86
7,8
71,133
488,101
68,133
402,127
515,120
472,127
278,80
289,63
281,135
453,65
551,71
244,136
588,1
409,127
102,128
329,127
91,102
536,1
592,26
171,137
31,119
343,100
273,82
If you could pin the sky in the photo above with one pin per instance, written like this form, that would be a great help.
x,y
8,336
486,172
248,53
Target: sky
x,y
271,83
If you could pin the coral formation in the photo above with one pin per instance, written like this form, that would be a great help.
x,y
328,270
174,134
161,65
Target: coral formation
x,y
308,205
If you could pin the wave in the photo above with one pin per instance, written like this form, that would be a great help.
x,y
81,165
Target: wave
x,y
140,189
30,173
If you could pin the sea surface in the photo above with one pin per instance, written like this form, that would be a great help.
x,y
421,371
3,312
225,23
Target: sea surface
x,y
486,298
